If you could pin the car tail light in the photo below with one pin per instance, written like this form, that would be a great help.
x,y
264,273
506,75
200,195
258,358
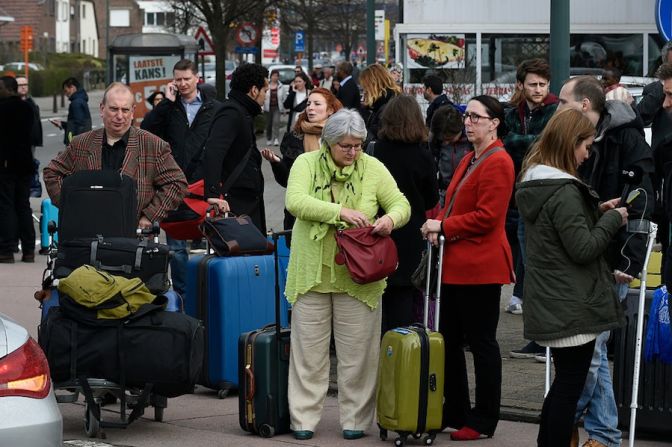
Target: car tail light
x,y
25,372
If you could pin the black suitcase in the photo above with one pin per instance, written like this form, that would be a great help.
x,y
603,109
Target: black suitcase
x,y
162,348
97,203
263,371
127,257
654,413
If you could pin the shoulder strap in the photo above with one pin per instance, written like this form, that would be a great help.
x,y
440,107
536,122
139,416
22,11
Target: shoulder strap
x,y
466,176
236,172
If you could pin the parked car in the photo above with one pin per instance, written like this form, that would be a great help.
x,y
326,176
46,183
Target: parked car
x,y
18,67
29,415
210,72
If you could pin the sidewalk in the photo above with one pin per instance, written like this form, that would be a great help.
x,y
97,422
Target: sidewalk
x,y
46,104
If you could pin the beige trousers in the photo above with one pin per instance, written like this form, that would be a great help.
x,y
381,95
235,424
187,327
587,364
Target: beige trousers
x,y
357,337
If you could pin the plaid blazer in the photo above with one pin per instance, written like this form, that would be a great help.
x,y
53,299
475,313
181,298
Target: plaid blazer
x,y
161,183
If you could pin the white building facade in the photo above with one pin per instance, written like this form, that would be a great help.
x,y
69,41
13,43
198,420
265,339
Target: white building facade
x,y
88,32
475,46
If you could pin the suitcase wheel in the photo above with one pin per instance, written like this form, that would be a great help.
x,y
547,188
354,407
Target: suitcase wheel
x,y
417,435
266,431
399,442
91,423
221,394
429,439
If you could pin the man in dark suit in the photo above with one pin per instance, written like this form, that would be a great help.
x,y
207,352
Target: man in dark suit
x,y
16,167
348,92
232,164
119,146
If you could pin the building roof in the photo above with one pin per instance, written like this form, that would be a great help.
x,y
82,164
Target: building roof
x,y
154,40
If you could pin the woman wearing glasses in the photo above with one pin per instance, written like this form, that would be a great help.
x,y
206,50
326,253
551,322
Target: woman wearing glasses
x,y
337,186
477,261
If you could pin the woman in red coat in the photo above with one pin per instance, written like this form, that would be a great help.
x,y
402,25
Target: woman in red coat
x,y
476,262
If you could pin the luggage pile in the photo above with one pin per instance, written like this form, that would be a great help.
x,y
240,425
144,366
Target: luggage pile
x,y
105,329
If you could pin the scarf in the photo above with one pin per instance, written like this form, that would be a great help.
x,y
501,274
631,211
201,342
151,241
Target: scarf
x,y
327,173
311,135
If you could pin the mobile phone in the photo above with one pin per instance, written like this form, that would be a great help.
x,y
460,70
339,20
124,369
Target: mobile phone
x,y
632,196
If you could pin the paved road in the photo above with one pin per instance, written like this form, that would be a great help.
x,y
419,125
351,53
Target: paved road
x,y
202,419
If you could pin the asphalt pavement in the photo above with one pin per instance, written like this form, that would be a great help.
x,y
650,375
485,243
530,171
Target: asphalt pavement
x,y
204,420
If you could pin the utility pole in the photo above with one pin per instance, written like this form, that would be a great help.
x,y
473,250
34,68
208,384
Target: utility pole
x,y
370,32
559,43
107,42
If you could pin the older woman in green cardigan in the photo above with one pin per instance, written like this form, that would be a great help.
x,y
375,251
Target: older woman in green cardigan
x,y
337,186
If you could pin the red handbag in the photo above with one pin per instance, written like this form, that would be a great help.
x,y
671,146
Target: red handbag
x,y
183,223
368,257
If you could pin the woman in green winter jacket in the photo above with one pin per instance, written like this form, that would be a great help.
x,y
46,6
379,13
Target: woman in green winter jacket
x,y
569,293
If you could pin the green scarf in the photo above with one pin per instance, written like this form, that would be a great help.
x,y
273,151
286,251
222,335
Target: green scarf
x,y
327,173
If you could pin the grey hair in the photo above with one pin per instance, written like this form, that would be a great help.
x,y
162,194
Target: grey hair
x,y
342,124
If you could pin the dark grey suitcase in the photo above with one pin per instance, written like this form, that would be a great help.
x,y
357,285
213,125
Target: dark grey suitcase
x,y
654,414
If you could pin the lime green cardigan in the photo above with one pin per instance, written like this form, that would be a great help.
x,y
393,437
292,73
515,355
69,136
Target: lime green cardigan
x,y
311,263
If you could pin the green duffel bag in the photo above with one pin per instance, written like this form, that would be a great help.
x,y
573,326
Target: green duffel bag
x,y
88,294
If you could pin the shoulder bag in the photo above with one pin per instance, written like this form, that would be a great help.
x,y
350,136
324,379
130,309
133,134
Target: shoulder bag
x,y
368,257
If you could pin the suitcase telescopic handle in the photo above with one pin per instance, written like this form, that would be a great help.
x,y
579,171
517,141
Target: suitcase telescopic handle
x,y
428,283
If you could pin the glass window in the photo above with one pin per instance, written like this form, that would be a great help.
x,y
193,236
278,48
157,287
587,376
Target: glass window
x,y
160,18
501,54
170,19
598,51
655,46
149,18
120,18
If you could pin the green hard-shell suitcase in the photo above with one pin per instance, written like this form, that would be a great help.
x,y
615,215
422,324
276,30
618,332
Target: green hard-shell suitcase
x,y
409,398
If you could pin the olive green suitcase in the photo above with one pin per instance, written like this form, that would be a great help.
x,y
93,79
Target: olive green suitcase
x,y
409,398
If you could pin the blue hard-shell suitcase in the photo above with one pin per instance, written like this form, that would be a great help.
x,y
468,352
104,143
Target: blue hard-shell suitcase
x,y
49,212
230,295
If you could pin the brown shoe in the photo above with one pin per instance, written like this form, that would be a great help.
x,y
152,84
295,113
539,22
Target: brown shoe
x,y
574,442
7,258
28,257
593,443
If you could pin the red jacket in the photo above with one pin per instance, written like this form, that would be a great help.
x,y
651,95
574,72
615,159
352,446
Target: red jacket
x,y
476,250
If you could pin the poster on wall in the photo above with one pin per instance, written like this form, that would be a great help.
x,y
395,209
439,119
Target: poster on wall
x,y
147,75
435,51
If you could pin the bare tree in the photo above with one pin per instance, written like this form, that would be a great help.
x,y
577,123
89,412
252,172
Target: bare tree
x,y
346,22
307,15
222,16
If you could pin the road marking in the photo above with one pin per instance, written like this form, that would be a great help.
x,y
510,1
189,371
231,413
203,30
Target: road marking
x,y
85,443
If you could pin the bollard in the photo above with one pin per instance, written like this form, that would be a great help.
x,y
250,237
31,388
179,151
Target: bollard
x,y
62,99
55,107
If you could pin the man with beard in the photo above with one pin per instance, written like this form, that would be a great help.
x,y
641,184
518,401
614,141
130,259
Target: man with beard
x,y
231,149
525,122
348,92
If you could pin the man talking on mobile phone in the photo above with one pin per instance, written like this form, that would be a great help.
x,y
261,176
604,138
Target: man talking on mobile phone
x,y
183,119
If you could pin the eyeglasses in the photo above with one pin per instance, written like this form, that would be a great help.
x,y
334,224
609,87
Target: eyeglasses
x,y
474,117
349,147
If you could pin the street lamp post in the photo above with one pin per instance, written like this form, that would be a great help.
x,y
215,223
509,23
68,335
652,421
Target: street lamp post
x,y
370,32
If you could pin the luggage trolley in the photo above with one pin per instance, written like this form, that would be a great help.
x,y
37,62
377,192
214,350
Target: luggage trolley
x,y
97,392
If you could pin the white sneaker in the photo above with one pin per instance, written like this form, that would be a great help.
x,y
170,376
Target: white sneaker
x,y
276,143
541,358
515,309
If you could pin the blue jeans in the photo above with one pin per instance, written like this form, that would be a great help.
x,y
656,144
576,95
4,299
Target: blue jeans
x,y
597,400
178,264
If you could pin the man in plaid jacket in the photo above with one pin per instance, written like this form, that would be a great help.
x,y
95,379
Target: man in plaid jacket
x,y
134,152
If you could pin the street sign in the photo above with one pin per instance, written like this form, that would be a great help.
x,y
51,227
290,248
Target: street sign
x,y
664,18
208,47
379,22
247,34
246,50
299,44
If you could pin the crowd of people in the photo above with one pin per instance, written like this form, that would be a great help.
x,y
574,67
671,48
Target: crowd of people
x,y
525,192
